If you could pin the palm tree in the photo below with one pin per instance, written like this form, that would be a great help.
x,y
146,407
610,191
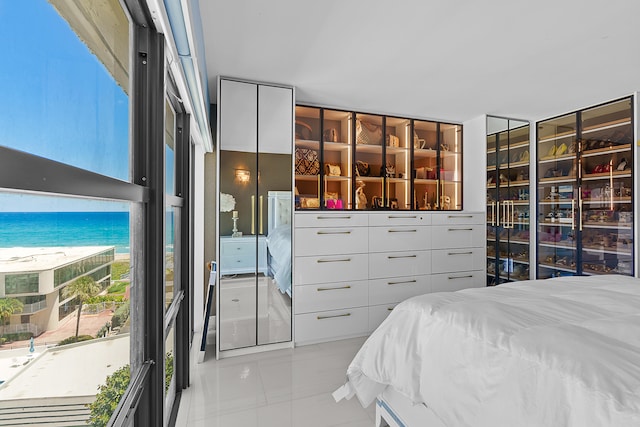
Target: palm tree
x,y
82,288
9,306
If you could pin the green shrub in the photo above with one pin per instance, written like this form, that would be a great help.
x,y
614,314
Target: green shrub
x,y
121,315
104,298
18,336
119,269
108,397
118,288
73,339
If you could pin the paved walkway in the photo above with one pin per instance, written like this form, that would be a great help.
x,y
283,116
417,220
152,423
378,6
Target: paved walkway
x,y
90,324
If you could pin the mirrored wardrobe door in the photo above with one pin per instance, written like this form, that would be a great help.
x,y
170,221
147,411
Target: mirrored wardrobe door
x,y
274,213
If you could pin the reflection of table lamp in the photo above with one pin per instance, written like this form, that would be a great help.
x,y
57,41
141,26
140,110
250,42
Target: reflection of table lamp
x,y
228,204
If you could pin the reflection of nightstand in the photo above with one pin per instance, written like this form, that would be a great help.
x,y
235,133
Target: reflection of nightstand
x,y
238,254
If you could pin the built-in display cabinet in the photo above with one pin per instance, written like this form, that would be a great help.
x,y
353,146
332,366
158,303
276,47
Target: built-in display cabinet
x,y
508,225
585,185
355,161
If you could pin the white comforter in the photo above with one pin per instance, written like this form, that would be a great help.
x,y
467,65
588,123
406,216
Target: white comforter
x,y
545,353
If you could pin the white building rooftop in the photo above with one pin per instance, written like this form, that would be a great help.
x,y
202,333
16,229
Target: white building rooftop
x,y
16,260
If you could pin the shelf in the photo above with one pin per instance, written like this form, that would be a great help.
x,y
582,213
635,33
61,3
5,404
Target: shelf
x,y
557,245
603,250
336,178
555,223
336,146
444,154
397,180
607,175
424,154
369,149
519,145
520,242
307,177
397,150
556,201
491,168
610,226
614,200
377,179
303,143
607,150
557,267
550,159
425,181
558,136
609,125
524,183
557,179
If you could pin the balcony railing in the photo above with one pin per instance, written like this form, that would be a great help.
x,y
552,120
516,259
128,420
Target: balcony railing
x,y
32,308
20,328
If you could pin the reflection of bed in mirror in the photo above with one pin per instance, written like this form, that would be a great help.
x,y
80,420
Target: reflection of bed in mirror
x,y
279,239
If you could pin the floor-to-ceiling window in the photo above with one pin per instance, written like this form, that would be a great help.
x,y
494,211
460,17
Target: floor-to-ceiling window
x,y
91,213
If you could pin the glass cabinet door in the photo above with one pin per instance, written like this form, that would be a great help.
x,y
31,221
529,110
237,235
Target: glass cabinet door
x,y
492,214
337,159
450,191
369,168
607,182
398,163
307,158
558,197
425,165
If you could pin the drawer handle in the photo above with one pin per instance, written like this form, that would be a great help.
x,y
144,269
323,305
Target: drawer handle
x,y
404,281
460,253
333,232
402,217
460,277
460,216
333,289
334,217
401,256
335,315
403,231
335,260
460,229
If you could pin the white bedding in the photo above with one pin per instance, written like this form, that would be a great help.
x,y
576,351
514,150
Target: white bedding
x,y
545,353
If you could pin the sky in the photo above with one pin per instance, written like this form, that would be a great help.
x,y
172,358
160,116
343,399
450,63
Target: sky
x,y
57,100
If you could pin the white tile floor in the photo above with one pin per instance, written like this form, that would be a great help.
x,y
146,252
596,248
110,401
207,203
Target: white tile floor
x,y
283,388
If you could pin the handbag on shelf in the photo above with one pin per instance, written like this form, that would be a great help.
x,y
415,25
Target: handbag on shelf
x,y
303,130
377,202
389,171
362,168
307,162
368,134
332,170
330,135
393,141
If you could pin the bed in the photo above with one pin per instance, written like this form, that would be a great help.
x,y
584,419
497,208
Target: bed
x,y
279,239
556,352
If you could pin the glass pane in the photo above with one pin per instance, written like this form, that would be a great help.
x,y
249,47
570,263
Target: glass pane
x,y
169,148
557,197
337,159
307,158
369,191
398,163
425,164
450,167
170,262
607,180
65,268
169,369
65,95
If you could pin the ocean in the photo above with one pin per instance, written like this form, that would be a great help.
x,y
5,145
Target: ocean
x,y
33,229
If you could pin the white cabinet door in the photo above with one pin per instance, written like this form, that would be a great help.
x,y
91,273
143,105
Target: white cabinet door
x,y
385,291
458,218
455,260
329,241
275,116
399,238
238,116
458,236
331,296
330,268
398,264
335,324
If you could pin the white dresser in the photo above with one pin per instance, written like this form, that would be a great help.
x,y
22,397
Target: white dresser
x,y
352,268
238,254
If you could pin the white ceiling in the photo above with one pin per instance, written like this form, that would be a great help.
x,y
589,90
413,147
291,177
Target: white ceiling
x,y
451,60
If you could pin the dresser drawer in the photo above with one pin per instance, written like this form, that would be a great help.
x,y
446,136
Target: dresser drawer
x,y
329,325
455,281
392,219
384,291
455,260
331,219
399,238
331,268
458,218
331,296
329,241
394,264
377,314
458,236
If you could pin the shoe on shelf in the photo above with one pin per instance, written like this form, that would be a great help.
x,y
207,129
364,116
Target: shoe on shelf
x,y
552,151
524,156
622,165
561,149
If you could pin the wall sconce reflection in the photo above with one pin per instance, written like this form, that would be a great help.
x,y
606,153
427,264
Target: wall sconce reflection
x,y
243,176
